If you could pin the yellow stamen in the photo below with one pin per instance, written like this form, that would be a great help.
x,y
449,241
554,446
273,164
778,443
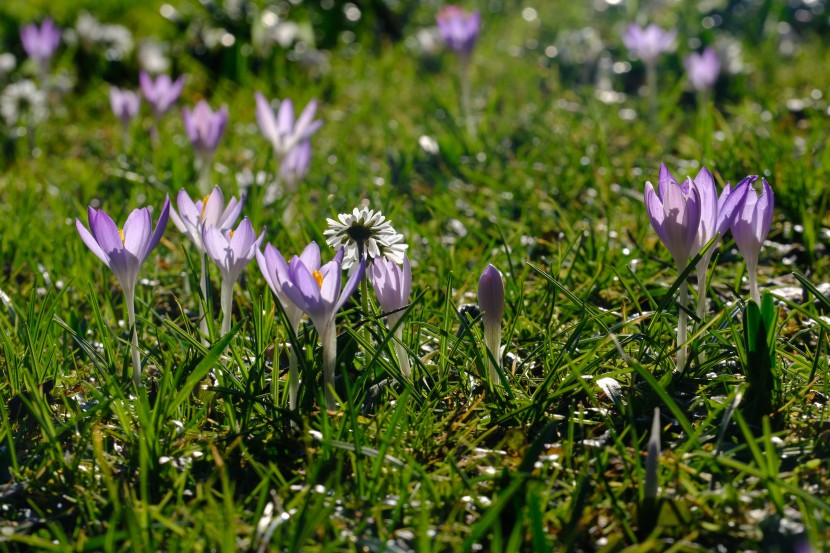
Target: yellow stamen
x,y
121,234
318,276
230,233
204,205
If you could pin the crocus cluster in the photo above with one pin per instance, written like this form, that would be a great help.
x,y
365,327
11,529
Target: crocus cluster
x,y
689,215
289,138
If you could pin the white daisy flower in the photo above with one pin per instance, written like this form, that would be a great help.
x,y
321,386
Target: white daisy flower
x,y
365,231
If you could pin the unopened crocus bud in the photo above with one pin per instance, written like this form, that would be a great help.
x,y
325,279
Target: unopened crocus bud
x,y
491,301
650,487
750,229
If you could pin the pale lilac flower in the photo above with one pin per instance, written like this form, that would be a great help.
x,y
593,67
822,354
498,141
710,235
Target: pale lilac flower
x,y
295,165
648,43
41,42
703,69
392,285
318,294
195,216
281,130
124,251
459,28
275,270
125,104
674,211
205,127
716,217
491,301
231,251
209,211
162,93
750,229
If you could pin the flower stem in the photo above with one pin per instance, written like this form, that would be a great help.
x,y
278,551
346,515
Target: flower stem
x,y
328,340
651,84
227,305
203,168
701,288
752,275
682,327
466,109
203,276
492,339
364,301
400,350
293,378
130,297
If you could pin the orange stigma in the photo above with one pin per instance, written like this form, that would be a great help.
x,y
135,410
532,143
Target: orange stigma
x,y
204,205
318,276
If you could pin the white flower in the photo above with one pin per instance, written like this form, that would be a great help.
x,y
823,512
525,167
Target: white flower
x,y
367,231
23,99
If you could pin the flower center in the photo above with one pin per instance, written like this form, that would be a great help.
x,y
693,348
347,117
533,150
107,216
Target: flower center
x,y
318,276
359,233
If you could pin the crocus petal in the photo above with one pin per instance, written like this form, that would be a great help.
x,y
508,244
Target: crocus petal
x,y
351,284
216,246
106,233
311,256
161,224
90,242
265,118
137,232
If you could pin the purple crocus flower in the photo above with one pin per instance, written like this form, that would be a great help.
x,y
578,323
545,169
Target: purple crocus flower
x,y
209,211
281,129
162,93
392,285
195,216
750,229
675,211
491,301
319,295
275,270
124,251
702,69
231,251
648,43
716,216
295,164
125,104
459,28
41,42
205,127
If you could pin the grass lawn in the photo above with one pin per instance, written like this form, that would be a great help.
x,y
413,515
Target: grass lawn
x,y
543,178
